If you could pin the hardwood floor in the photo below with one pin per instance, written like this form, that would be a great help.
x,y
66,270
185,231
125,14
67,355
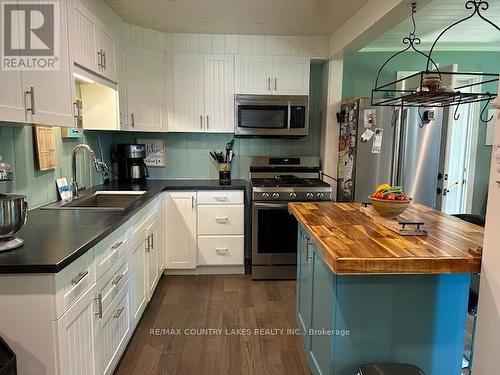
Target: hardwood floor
x,y
221,302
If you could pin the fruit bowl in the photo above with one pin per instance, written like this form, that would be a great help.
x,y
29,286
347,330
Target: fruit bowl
x,y
389,208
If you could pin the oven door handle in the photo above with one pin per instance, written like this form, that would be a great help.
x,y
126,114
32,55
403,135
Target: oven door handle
x,y
270,205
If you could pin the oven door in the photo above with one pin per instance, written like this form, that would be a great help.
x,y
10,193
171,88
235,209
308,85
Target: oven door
x,y
274,234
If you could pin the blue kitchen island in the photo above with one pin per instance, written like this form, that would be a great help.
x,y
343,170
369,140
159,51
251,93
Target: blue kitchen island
x,y
365,294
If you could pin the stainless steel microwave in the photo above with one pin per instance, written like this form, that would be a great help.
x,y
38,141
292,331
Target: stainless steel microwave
x,y
271,115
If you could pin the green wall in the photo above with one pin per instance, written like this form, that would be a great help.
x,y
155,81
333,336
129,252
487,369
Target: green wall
x,y
187,155
360,71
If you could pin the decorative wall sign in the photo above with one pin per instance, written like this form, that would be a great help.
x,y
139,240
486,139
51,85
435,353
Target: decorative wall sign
x,y
45,141
155,151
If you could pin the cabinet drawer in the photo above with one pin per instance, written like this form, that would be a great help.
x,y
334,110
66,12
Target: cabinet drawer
x,y
113,331
220,219
109,285
220,197
220,250
144,217
111,249
73,281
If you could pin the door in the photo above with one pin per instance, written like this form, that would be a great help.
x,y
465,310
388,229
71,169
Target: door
x,y
85,38
253,74
160,240
189,114
274,234
290,76
218,74
152,257
304,286
459,151
145,80
50,97
180,230
113,331
77,331
138,278
107,45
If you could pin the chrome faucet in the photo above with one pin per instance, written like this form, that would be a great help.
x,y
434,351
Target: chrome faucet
x,y
98,165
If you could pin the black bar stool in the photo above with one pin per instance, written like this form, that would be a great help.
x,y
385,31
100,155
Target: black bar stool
x,y
389,369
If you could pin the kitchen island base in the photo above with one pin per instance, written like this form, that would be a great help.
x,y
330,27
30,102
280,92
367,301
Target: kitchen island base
x,y
350,320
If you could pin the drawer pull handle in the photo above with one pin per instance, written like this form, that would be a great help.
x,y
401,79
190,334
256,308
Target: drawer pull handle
x,y
76,280
118,312
98,313
222,220
221,250
221,199
117,279
117,245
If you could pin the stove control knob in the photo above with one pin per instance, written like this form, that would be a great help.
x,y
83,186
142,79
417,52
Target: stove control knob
x,y
293,195
309,196
265,195
320,195
276,195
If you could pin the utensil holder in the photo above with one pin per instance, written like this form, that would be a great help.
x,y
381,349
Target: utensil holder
x,y
224,173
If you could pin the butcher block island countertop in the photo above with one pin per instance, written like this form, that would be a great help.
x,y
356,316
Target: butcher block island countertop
x,y
352,243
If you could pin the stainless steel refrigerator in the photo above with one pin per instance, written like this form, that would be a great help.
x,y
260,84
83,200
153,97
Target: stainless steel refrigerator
x,y
377,145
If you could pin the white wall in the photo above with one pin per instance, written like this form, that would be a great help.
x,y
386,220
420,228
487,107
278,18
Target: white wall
x,y
486,352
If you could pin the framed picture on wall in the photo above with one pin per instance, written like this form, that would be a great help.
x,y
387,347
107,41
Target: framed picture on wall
x,y
155,151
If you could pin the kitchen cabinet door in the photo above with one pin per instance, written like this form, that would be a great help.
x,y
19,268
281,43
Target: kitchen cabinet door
x,y
138,277
152,257
160,241
49,94
254,74
77,332
11,96
218,73
145,72
121,85
85,34
322,317
180,230
304,286
290,76
113,331
189,115
107,47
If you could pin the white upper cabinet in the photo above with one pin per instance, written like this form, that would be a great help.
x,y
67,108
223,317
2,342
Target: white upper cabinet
x,y
219,93
188,93
268,75
49,94
121,85
203,93
107,49
291,76
254,74
85,34
94,45
11,96
145,72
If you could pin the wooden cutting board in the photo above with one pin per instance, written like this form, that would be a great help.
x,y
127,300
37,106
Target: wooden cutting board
x,y
46,150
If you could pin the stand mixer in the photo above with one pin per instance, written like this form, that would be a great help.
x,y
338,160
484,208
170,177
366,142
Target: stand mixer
x,y
13,210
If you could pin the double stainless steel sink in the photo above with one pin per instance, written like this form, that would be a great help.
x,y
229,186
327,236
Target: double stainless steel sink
x,y
99,200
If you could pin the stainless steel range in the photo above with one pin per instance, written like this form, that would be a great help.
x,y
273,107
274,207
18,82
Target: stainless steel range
x,y
275,182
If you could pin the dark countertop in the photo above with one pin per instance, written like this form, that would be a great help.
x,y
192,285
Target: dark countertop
x,y
55,238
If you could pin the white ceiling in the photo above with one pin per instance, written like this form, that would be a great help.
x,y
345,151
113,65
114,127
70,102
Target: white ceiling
x,y
473,34
258,17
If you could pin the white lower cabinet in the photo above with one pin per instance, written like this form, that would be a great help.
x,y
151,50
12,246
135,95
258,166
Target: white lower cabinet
x,y
138,288
180,230
113,331
77,333
152,256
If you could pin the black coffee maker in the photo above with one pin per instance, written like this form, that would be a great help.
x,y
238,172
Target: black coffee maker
x,y
131,165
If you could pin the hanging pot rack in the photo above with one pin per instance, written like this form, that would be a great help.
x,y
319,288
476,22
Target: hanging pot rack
x,y
388,94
